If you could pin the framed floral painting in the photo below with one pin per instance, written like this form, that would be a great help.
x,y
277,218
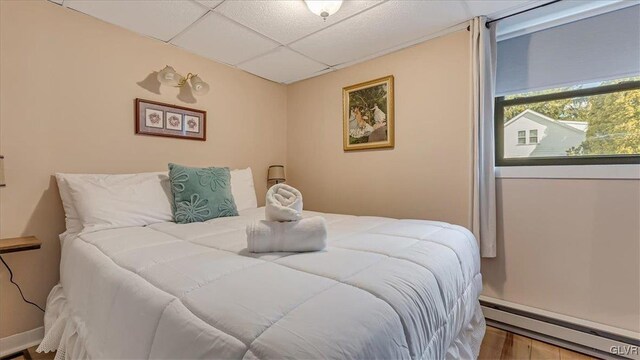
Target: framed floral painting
x,y
368,119
160,119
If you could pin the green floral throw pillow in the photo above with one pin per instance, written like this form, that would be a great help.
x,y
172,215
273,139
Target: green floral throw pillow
x,y
201,194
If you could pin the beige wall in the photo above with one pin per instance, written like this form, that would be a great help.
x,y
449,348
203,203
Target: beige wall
x,y
67,85
569,246
428,173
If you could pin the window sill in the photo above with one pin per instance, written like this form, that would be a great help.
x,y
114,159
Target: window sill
x,y
626,171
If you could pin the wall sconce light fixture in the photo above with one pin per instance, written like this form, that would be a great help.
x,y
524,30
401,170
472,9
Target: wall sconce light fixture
x,y
168,76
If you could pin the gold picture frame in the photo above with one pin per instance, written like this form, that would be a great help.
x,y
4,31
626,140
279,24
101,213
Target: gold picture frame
x,y
368,115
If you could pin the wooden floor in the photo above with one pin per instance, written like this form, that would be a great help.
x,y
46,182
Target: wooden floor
x,y
502,345
35,356
496,345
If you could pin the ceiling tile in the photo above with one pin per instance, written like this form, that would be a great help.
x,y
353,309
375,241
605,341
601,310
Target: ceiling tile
x,y
321,72
161,19
286,21
221,39
489,7
212,4
388,25
282,65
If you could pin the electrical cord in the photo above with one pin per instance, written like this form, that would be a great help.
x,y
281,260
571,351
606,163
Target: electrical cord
x,y
18,286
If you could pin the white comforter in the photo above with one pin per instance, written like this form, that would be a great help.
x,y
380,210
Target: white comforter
x,y
384,288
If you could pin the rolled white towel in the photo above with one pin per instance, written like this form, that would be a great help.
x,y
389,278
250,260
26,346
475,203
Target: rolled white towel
x,y
308,234
283,203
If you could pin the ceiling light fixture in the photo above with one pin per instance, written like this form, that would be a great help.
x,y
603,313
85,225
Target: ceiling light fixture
x,y
168,76
324,8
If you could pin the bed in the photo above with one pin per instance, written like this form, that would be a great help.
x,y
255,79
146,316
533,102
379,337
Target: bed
x,y
134,284
383,289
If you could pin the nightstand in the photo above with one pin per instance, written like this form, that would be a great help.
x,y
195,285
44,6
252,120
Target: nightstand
x,y
19,244
15,245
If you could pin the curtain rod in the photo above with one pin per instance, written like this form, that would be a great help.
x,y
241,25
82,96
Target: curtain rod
x,y
520,12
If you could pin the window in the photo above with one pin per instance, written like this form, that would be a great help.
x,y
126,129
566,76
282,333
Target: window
x,y
585,124
574,87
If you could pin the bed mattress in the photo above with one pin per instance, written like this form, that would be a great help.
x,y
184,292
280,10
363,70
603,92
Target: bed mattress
x,y
383,289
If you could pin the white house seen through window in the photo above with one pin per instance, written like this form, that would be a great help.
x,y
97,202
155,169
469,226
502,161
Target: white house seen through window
x,y
594,120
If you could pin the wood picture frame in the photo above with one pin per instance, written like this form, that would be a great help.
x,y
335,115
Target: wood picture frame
x,y
368,115
167,120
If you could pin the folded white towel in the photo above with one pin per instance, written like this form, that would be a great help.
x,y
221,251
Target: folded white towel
x,y
283,203
308,234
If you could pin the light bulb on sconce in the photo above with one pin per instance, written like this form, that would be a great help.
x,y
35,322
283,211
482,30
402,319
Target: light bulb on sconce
x,y
199,87
168,76
324,8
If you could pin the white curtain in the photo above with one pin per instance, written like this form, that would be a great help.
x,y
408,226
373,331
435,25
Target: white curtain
x,y
483,52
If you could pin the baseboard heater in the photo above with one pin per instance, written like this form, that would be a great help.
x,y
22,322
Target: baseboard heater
x,y
579,335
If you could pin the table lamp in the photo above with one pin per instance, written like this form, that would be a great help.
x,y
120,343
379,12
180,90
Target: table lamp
x,y
276,173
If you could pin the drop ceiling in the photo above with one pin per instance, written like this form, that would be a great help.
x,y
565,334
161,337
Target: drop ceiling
x,y
281,40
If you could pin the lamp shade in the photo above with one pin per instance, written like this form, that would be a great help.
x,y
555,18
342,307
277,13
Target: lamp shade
x,y
199,87
2,171
276,173
169,76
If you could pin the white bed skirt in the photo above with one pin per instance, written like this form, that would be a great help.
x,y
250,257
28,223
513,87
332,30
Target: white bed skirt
x,y
64,333
467,344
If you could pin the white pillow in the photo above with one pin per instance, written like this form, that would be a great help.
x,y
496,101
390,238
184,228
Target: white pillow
x,y
72,220
242,189
112,201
